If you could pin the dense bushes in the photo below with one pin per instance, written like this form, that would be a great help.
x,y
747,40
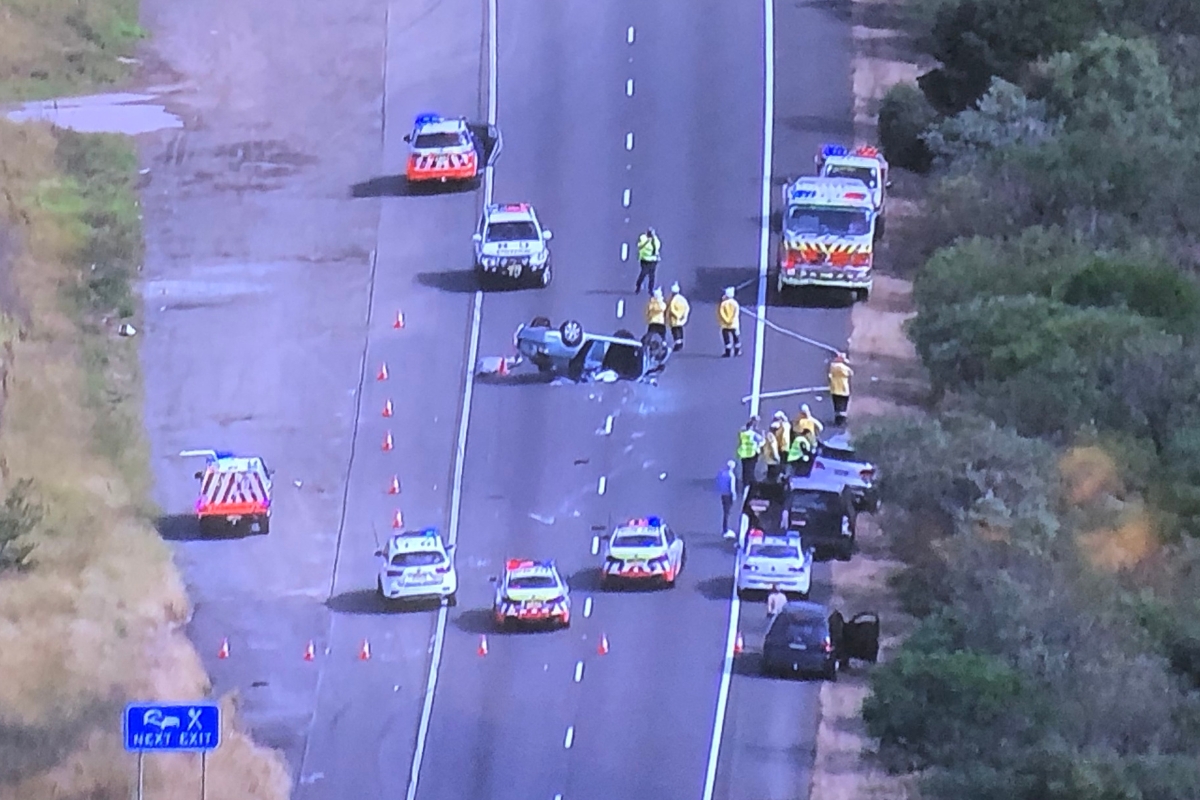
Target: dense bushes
x,y
904,115
1049,513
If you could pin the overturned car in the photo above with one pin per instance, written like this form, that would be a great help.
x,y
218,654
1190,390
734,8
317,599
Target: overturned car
x,y
570,351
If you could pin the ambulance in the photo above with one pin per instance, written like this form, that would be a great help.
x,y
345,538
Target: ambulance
x,y
828,235
235,493
863,163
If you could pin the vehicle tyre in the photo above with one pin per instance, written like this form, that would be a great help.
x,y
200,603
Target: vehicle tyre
x,y
485,280
572,333
862,295
264,524
682,562
624,334
211,526
545,277
742,594
831,672
879,227
452,599
565,624
540,322
803,595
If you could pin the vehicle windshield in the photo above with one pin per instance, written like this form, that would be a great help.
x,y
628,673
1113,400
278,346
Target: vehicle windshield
x,y
517,231
437,141
417,558
774,551
532,582
837,453
638,540
864,174
814,502
814,221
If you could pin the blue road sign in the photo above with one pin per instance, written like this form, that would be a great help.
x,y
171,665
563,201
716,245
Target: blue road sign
x,y
172,727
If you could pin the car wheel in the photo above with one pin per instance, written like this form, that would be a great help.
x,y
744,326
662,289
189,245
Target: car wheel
x,y
546,276
264,524
862,295
831,672
379,588
572,333
742,594
540,322
452,599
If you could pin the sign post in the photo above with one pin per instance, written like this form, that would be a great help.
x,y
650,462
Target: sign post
x,y
172,728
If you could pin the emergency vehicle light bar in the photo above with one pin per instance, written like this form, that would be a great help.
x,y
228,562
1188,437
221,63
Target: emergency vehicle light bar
x,y
867,151
211,455
525,563
513,207
646,522
426,119
833,150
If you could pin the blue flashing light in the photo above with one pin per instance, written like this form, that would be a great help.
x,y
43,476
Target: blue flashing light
x,y
225,454
427,119
654,522
429,532
833,150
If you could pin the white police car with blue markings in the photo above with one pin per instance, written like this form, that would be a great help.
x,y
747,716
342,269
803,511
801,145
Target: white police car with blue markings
x,y
417,565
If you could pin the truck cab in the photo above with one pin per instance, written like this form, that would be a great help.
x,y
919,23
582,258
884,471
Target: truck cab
x,y
828,235
863,163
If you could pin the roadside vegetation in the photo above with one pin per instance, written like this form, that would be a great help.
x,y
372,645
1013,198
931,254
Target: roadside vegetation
x,y
91,606
1047,510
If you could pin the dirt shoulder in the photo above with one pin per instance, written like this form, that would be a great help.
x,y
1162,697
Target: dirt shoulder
x,y
888,380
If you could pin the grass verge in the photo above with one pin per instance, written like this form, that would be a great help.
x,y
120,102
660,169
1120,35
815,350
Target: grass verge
x,y
53,47
91,616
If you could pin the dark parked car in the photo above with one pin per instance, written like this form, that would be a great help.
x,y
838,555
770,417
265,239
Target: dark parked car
x,y
805,639
825,514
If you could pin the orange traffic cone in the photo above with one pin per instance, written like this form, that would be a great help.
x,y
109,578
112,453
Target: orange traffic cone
x,y
399,323
364,654
503,366
482,646
382,376
310,652
603,648
398,521
739,644
224,651
395,486
387,408
387,442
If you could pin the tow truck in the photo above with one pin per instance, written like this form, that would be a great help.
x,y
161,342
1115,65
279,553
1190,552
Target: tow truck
x,y
235,492
828,235
864,163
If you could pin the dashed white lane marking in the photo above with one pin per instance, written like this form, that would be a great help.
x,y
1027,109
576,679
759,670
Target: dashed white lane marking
x,y
625,198
570,740
587,607
600,487
558,797
620,309
595,545
735,605
629,35
629,88
629,141
578,671
625,251
608,424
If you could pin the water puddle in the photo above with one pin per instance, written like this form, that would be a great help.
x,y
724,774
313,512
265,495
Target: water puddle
x,y
124,112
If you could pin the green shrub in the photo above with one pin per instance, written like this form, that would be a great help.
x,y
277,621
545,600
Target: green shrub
x,y
1149,289
904,116
943,708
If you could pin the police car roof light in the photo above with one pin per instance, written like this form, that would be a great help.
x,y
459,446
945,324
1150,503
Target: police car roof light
x,y
513,207
427,118
833,150
866,151
429,532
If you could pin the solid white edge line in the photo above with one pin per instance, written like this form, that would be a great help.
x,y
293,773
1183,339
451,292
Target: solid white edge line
x,y
578,671
460,450
587,607
735,605
570,740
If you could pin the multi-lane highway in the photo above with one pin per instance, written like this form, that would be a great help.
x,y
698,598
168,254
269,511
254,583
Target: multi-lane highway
x,y
616,116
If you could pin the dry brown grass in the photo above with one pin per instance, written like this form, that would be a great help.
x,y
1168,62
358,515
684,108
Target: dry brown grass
x,y
96,621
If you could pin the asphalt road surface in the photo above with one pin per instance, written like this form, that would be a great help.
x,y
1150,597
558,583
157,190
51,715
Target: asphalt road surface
x,y
615,116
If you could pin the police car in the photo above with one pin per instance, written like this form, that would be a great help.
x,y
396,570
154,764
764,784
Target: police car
x,y
643,550
442,150
780,560
511,245
532,592
417,565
